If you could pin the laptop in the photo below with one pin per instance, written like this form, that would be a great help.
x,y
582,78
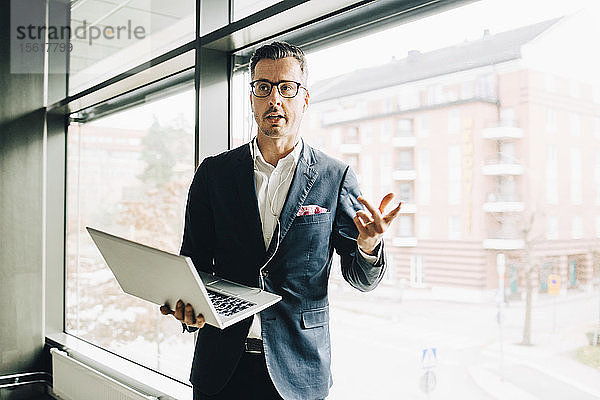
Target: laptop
x,y
163,278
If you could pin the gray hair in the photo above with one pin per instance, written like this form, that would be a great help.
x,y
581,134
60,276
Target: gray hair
x,y
276,51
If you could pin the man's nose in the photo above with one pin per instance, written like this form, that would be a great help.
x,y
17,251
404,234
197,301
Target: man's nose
x,y
275,97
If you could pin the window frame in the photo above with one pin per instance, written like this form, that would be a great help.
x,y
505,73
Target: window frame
x,y
212,57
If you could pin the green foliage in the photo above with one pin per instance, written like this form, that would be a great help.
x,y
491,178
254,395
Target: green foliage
x,y
589,355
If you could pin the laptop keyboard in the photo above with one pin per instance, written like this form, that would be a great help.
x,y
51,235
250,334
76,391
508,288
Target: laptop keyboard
x,y
228,305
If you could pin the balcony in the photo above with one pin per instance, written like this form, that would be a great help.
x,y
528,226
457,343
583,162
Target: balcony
x,y
344,115
405,174
503,202
503,131
350,148
503,165
504,239
406,241
408,206
404,141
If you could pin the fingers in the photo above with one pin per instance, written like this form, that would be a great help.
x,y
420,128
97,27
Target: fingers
x,y
166,310
374,212
392,214
190,317
179,311
360,225
385,201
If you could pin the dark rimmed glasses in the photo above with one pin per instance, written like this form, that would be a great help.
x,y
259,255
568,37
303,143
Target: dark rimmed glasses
x,y
263,88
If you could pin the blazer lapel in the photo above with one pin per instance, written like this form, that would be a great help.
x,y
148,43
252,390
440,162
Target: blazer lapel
x,y
304,178
246,188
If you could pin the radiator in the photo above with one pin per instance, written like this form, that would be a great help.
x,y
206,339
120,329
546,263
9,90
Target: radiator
x,y
73,380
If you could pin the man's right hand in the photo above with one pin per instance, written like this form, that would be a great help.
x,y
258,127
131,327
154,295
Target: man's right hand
x,y
184,313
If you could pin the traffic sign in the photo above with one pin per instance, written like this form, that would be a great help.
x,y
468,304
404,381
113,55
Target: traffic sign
x,y
554,284
429,357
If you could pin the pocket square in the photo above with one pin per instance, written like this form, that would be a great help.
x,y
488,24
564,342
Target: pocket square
x,y
311,209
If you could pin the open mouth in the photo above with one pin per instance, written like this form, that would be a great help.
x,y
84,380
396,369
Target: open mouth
x,y
275,118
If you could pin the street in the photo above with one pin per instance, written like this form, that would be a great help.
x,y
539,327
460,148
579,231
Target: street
x,y
378,344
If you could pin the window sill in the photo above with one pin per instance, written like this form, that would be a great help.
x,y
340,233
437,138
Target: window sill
x,y
121,369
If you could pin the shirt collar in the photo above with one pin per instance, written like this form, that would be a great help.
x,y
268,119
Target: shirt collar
x,y
294,156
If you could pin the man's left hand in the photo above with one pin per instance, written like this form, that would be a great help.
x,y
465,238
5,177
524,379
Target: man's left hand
x,y
372,227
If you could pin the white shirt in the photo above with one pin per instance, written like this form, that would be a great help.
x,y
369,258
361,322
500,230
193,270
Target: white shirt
x,y
272,184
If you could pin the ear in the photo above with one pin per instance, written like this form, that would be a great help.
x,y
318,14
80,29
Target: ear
x,y
306,100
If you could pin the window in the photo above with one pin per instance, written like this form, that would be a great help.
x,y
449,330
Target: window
x,y
128,174
126,35
424,226
551,175
405,128
404,160
405,192
467,90
423,125
575,123
405,226
552,227
575,89
454,175
453,121
576,177
417,271
424,176
454,227
577,228
551,124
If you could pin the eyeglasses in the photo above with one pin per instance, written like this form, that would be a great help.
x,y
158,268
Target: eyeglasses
x,y
263,88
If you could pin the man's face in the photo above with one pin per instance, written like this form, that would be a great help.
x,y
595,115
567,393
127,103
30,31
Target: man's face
x,y
277,116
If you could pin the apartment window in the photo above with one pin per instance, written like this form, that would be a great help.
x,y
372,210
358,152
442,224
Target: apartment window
x,y
454,227
386,173
423,125
405,192
575,124
404,160
486,87
366,165
404,127
352,161
128,174
453,121
405,225
351,135
552,227
434,95
424,176
454,175
424,226
551,124
551,175
408,98
577,228
417,271
386,129
507,116
576,177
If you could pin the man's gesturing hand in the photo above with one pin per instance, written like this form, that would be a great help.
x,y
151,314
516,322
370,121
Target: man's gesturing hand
x,y
184,313
371,227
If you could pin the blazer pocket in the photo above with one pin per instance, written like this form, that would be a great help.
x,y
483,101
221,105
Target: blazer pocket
x,y
314,318
312,218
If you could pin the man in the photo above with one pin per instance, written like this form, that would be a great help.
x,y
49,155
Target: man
x,y
270,213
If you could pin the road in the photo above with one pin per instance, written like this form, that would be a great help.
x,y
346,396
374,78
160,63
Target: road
x,y
377,347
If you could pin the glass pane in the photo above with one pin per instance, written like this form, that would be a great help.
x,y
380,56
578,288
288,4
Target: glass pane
x,y
109,36
128,174
469,118
244,8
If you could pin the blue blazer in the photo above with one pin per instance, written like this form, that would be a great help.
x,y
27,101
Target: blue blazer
x,y
223,234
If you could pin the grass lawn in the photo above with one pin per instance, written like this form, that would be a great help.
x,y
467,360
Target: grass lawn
x,y
589,355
